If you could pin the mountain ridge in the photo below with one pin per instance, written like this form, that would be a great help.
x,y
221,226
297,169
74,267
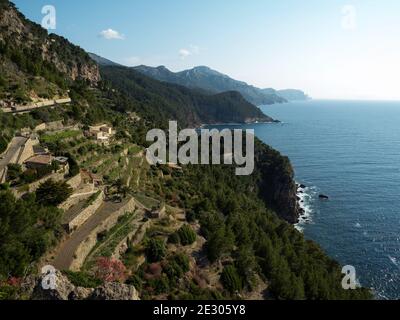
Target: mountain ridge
x,y
212,81
190,107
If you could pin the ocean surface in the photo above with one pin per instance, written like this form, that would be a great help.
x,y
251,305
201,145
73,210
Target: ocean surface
x,y
350,151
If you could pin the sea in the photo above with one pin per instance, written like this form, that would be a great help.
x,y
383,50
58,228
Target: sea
x,y
349,151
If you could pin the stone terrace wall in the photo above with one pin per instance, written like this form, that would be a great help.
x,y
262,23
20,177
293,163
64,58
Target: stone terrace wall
x,y
86,246
86,213
27,151
75,182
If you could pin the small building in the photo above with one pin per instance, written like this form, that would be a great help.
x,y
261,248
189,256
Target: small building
x,y
39,161
102,133
157,213
91,178
61,160
25,132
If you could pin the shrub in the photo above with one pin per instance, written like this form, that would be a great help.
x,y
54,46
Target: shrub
x,y
231,280
176,266
155,250
3,144
135,281
190,216
187,235
160,285
174,238
110,270
14,171
182,260
83,279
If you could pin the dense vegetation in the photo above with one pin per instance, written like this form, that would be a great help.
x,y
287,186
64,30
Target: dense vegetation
x,y
53,193
161,101
27,230
33,62
239,228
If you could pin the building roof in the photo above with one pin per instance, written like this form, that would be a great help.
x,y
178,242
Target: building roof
x,y
61,159
39,150
43,159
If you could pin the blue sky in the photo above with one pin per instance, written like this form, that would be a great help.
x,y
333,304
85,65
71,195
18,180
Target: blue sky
x,y
331,49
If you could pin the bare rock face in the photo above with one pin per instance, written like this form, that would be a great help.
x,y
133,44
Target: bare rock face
x,y
80,293
276,183
18,32
32,288
61,292
115,291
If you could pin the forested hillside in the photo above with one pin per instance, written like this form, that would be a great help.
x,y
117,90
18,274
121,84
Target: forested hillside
x,y
212,81
190,107
34,64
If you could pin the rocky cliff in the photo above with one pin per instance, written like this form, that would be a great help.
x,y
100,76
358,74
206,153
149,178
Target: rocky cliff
x,y
277,186
23,38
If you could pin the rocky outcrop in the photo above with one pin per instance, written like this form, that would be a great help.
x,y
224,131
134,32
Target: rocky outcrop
x,y
21,34
114,291
277,186
32,289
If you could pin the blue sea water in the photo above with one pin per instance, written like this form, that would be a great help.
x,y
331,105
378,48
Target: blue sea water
x,y
350,151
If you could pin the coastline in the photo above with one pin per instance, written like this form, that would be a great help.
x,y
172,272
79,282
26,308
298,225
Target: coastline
x,y
220,124
304,197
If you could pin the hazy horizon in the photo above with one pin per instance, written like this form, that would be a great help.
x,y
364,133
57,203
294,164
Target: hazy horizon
x,y
346,50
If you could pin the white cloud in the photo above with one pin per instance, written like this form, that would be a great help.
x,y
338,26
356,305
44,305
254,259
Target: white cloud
x,y
111,34
193,50
184,53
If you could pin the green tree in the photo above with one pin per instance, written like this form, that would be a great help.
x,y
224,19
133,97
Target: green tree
x,y
186,235
3,144
155,250
53,193
231,280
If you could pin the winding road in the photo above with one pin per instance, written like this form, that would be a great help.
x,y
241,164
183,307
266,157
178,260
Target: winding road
x,y
11,153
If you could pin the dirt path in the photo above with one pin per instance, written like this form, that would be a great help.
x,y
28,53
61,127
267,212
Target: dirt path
x,y
65,255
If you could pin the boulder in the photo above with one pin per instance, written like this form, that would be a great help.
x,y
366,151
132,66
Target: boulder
x,y
80,293
32,289
61,292
323,197
115,291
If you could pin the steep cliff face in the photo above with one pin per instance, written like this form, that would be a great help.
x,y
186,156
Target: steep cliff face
x,y
20,37
277,186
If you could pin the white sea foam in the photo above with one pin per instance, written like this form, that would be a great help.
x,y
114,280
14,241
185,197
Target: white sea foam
x,y
306,196
393,260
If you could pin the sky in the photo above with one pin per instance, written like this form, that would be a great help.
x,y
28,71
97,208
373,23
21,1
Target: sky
x,y
331,49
